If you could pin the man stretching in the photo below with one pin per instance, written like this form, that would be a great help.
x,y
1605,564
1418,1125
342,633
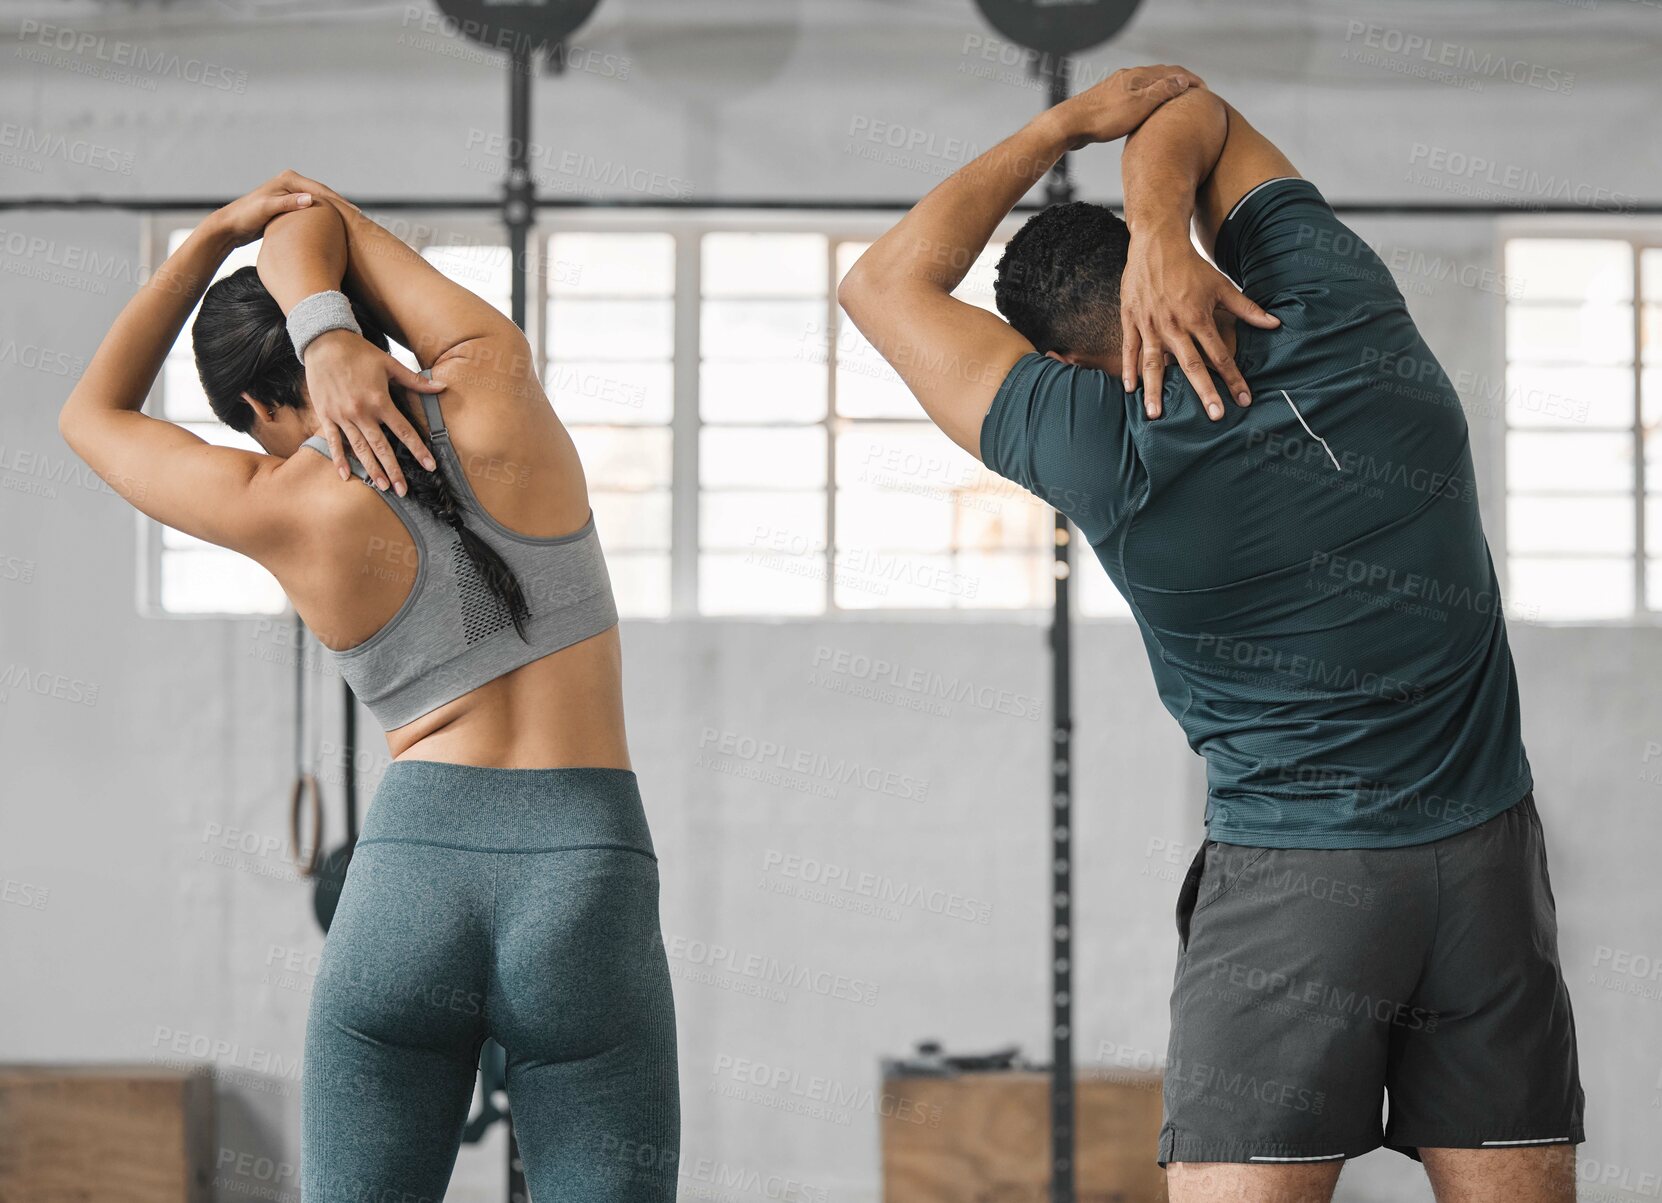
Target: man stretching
x,y
1371,913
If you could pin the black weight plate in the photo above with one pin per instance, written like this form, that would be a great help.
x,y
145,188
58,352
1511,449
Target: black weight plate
x,y
1058,26
505,25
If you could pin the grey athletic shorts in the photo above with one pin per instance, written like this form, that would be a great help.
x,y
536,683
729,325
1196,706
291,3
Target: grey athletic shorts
x,y
1312,983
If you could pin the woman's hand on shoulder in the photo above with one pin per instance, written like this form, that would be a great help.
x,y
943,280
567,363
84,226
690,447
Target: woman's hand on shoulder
x,y
348,381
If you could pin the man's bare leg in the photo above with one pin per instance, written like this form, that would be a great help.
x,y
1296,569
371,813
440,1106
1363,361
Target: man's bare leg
x,y
1226,1182
1532,1175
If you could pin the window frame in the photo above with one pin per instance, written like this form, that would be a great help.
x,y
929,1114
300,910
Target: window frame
x,y
687,228
1640,234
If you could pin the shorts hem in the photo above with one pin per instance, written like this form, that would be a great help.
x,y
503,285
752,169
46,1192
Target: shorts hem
x,y
1178,1146
1529,1138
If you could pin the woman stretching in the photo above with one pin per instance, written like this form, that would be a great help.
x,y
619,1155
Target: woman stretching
x,y
505,884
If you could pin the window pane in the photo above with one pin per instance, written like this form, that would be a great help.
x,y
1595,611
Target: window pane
x,y
1569,333
1565,589
609,393
217,581
877,579
1650,398
1095,592
890,518
613,265
753,330
735,521
867,387
1588,397
603,329
1651,335
622,458
1568,462
764,265
1569,524
977,285
1541,269
638,521
762,458
776,391
1653,526
182,396
484,270
761,582
640,582
1010,581
1650,273
908,485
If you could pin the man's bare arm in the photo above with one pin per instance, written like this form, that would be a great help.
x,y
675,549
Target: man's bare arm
x,y
1247,160
953,355
1171,300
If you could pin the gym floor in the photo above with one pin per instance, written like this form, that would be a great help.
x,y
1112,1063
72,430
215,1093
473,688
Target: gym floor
x,y
846,771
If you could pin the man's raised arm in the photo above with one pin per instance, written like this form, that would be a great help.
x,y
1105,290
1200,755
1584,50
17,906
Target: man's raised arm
x,y
1194,151
953,355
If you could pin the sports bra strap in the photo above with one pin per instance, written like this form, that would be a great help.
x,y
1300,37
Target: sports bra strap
x,y
435,416
321,445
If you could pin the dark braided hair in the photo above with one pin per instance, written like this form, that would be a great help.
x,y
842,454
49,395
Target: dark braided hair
x,y
242,345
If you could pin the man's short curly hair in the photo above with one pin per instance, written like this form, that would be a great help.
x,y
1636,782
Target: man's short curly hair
x,y
1058,283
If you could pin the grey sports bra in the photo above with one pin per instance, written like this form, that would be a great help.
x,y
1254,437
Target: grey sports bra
x,y
452,635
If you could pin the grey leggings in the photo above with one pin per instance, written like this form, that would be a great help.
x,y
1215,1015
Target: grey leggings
x,y
519,904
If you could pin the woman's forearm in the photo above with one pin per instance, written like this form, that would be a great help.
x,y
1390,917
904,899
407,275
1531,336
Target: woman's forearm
x,y
124,368
303,253
376,258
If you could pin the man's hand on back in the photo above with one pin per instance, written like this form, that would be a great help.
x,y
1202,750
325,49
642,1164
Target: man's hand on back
x,y
1174,302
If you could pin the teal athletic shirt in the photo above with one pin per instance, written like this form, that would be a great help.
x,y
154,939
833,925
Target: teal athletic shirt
x,y
1309,573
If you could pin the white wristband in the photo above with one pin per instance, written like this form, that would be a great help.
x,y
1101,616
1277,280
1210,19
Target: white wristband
x,y
318,314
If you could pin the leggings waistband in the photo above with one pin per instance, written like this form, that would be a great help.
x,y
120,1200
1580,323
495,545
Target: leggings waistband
x,y
507,810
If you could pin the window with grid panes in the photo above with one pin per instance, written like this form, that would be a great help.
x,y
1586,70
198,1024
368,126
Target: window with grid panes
x,y
609,355
1583,522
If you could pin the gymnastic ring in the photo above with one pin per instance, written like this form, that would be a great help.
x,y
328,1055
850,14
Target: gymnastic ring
x,y
305,784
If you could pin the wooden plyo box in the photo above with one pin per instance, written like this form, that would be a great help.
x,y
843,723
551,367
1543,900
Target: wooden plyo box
x,y
985,1138
105,1134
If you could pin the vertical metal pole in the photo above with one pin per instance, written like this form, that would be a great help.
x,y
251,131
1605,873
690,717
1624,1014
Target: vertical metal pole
x,y
518,212
1059,190
519,197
